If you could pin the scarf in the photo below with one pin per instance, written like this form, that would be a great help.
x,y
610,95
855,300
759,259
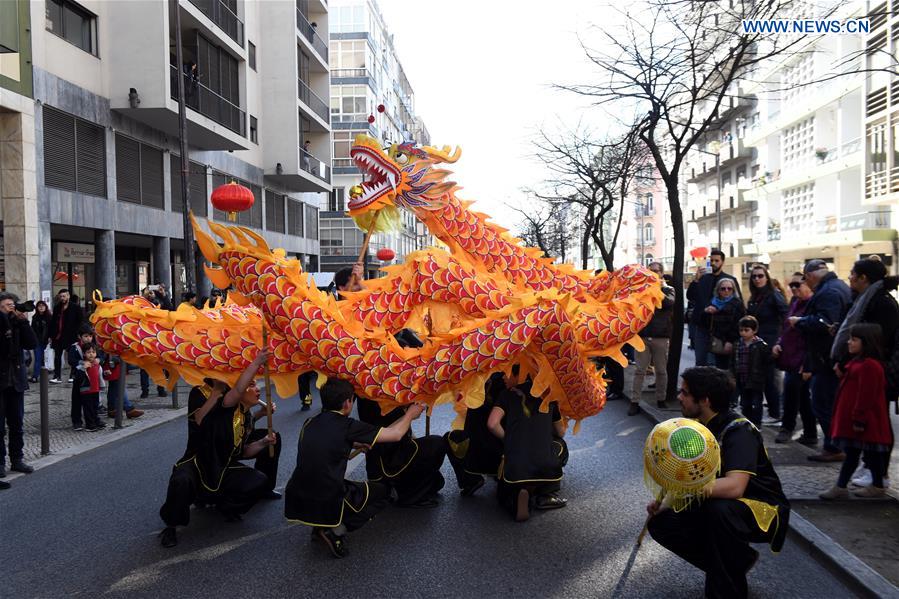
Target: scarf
x,y
720,303
854,316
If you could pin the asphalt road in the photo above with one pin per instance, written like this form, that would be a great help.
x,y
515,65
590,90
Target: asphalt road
x,y
87,527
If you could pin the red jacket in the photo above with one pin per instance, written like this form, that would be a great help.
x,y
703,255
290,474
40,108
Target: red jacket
x,y
861,400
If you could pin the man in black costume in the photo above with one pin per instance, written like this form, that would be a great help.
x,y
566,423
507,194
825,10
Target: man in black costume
x,y
220,433
746,505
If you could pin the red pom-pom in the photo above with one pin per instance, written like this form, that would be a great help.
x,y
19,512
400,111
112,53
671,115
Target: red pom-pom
x,y
371,118
381,108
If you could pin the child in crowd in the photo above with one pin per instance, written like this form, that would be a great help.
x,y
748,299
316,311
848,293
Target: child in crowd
x,y
534,450
317,494
860,420
86,398
750,366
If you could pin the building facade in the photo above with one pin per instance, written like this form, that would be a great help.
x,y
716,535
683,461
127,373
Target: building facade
x,y
370,94
107,169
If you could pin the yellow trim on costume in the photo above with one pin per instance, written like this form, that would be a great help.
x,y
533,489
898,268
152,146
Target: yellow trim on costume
x,y
744,471
364,503
501,474
339,521
400,471
375,440
764,513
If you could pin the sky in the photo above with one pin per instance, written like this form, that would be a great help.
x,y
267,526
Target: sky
x,y
482,73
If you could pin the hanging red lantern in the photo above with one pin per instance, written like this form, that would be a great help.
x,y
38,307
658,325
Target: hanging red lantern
x,y
381,108
60,276
232,198
386,254
371,118
699,253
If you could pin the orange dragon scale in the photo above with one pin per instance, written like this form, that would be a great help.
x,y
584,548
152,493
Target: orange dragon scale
x,y
485,305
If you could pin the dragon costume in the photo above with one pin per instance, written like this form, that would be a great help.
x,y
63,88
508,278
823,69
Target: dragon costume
x,y
487,304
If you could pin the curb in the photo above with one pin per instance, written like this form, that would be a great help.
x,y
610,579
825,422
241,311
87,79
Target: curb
x,y
851,570
127,430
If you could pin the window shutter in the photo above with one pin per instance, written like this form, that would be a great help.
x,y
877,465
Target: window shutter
x,y
198,194
294,217
151,177
274,211
59,149
175,183
256,210
127,165
90,158
311,231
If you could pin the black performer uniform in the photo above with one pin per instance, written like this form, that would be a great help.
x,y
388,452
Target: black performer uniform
x,y
533,456
411,466
210,469
474,451
317,493
714,536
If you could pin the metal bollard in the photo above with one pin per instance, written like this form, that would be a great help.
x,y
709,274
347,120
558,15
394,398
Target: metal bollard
x,y
175,397
45,411
120,394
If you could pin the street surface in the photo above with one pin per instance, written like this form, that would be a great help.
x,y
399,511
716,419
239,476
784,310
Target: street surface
x,y
87,527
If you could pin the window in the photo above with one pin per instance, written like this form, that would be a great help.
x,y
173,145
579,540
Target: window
x,y
138,172
74,153
335,200
349,18
797,143
311,229
199,197
799,208
647,203
218,70
274,211
294,217
343,140
73,24
254,130
349,103
647,234
251,54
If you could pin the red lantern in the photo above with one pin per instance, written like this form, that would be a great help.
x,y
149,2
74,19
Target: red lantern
x,y
60,276
232,198
386,254
381,108
371,118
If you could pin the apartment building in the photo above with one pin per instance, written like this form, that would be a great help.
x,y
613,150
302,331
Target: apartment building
x,y
106,182
366,74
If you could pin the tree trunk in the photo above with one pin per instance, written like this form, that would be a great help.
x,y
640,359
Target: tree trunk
x,y
677,276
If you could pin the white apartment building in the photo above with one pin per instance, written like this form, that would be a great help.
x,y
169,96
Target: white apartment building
x,y
105,132
818,182
366,74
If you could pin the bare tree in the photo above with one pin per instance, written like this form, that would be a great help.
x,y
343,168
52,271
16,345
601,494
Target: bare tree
x,y
547,224
595,175
675,65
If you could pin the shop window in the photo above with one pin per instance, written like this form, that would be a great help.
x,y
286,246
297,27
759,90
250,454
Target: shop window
x,y
74,153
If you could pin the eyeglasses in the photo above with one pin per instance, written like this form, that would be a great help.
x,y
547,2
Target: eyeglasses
x,y
759,276
795,285
725,289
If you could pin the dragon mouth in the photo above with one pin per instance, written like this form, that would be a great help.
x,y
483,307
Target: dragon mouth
x,y
381,177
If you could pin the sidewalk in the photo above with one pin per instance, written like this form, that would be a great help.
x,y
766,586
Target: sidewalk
x,y
857,538
65,442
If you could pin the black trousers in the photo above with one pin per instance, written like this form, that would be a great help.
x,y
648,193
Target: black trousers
x,y
715,538
422,478
751,405
797,398
377,501
465,479
615,375
87,404
241,486
12,416
305,382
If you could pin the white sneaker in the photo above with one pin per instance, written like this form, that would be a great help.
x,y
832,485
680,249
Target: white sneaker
x,y
863,479
55,381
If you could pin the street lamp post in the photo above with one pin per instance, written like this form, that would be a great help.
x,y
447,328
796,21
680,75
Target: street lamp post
x,y
189,257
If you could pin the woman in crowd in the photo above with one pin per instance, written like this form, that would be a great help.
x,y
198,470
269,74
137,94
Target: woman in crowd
x,y
40,324
769,308
724,313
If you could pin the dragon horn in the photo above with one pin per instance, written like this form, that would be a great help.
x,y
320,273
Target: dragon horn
x,y
444,155
208,245
223,232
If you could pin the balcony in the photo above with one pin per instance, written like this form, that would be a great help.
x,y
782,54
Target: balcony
x,y
310,99
315,167
208,103
223,17
308,32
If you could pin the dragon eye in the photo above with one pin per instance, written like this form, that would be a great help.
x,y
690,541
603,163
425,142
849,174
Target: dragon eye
x,y
402,158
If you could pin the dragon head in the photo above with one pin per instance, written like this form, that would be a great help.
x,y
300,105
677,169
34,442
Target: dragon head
x,y
403,175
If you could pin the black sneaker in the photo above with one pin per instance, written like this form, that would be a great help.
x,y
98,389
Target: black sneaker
x,y
4,485
3,470
20,466
807,441
335,544
633,409
95,428
144,394
168,537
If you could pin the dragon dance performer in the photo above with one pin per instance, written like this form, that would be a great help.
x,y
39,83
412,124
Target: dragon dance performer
x,y
473,451
412,465
317,494
534,449
746,504
220,433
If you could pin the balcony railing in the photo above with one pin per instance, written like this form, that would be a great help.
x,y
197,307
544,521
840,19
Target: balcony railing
x,y
314,166
309,33
200,98
310,99
866,220
222,16
356,73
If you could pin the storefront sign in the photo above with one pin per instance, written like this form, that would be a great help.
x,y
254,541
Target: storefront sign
x,y
81,253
